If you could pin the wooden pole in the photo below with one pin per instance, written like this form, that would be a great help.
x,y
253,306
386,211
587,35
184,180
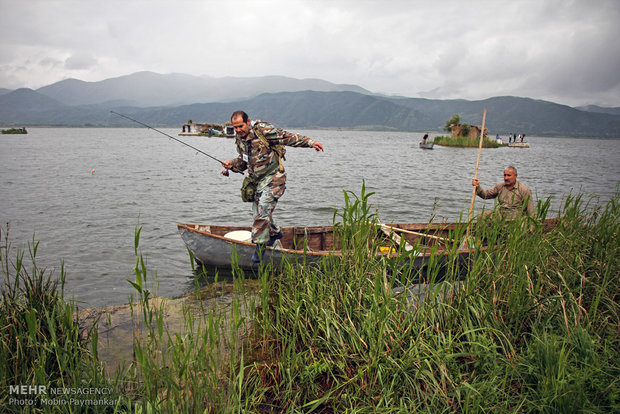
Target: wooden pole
x,y
417,233
473,196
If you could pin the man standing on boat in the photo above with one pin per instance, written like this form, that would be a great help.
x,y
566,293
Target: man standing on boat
x,y
514,197
261,151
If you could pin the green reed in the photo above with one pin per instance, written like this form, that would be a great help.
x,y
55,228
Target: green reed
x,y
534,327
466,142
530,324
192,368
42,343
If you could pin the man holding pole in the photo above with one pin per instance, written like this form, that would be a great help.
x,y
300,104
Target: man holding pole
x,y
514,198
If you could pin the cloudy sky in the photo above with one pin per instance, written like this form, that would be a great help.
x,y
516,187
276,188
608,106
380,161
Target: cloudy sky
x,y
559,50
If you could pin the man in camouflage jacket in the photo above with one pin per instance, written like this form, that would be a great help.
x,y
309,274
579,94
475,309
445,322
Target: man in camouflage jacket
x,y
260,148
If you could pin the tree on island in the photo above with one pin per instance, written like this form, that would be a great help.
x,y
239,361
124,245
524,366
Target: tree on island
x,y
465,130
455,120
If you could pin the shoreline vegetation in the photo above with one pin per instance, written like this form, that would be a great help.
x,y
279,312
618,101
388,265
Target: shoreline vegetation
x,y
465,142
14,131
531,326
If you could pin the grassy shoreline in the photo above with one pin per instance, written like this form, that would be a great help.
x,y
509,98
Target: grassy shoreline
x,y
531,327
464,142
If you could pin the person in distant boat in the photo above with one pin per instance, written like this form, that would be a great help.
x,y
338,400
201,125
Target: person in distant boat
x,y
514,198
424,138
261,151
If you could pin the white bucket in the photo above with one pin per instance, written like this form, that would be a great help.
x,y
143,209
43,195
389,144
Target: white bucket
x,y
240,235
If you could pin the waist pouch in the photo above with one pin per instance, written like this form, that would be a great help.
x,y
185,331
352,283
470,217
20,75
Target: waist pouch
x,y
248,189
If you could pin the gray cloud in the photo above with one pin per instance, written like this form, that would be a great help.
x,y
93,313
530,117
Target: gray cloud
x,y
80,61
565,51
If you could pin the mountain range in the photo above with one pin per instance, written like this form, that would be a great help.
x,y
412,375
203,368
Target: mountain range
x,y
171,100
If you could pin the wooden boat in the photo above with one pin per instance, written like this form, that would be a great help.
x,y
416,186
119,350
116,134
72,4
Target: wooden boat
x,y
428,145
519,145
217,246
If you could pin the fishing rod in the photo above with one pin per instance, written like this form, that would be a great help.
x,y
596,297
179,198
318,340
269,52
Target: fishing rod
x,y
225,172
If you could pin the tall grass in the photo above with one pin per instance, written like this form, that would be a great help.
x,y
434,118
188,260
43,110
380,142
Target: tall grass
x,y
466,142
41,342
191,369
530,325
533,329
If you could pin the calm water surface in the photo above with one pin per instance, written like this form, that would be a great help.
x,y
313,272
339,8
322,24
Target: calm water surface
x,y
142,178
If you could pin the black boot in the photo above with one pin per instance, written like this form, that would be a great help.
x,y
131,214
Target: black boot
x,y
257,256
274,238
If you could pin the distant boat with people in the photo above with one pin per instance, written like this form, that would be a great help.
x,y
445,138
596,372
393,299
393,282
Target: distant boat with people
x,y
519,145
426,144
207,130
515,141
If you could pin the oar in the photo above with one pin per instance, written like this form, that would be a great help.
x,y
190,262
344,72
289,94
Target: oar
x,y
397,229
473,195
395,237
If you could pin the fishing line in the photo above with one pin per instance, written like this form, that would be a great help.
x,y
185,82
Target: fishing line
x,y
171,137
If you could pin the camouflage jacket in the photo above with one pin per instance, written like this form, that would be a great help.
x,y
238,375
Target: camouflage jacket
x,y
258,159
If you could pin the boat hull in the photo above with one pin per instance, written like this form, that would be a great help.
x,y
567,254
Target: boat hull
x,y
220,252
210,246
426,242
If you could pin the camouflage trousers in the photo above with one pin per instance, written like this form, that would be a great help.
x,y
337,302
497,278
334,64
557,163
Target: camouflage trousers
x,y
269,190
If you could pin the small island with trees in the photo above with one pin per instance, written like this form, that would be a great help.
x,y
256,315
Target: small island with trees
x,y
465,135
15,131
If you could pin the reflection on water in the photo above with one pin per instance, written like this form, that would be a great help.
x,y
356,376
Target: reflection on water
x,y
142,179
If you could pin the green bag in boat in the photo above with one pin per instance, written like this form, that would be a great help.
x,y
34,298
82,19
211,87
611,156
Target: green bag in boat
x,y
248,189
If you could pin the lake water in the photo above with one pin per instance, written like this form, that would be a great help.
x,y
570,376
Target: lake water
x,y
141,178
